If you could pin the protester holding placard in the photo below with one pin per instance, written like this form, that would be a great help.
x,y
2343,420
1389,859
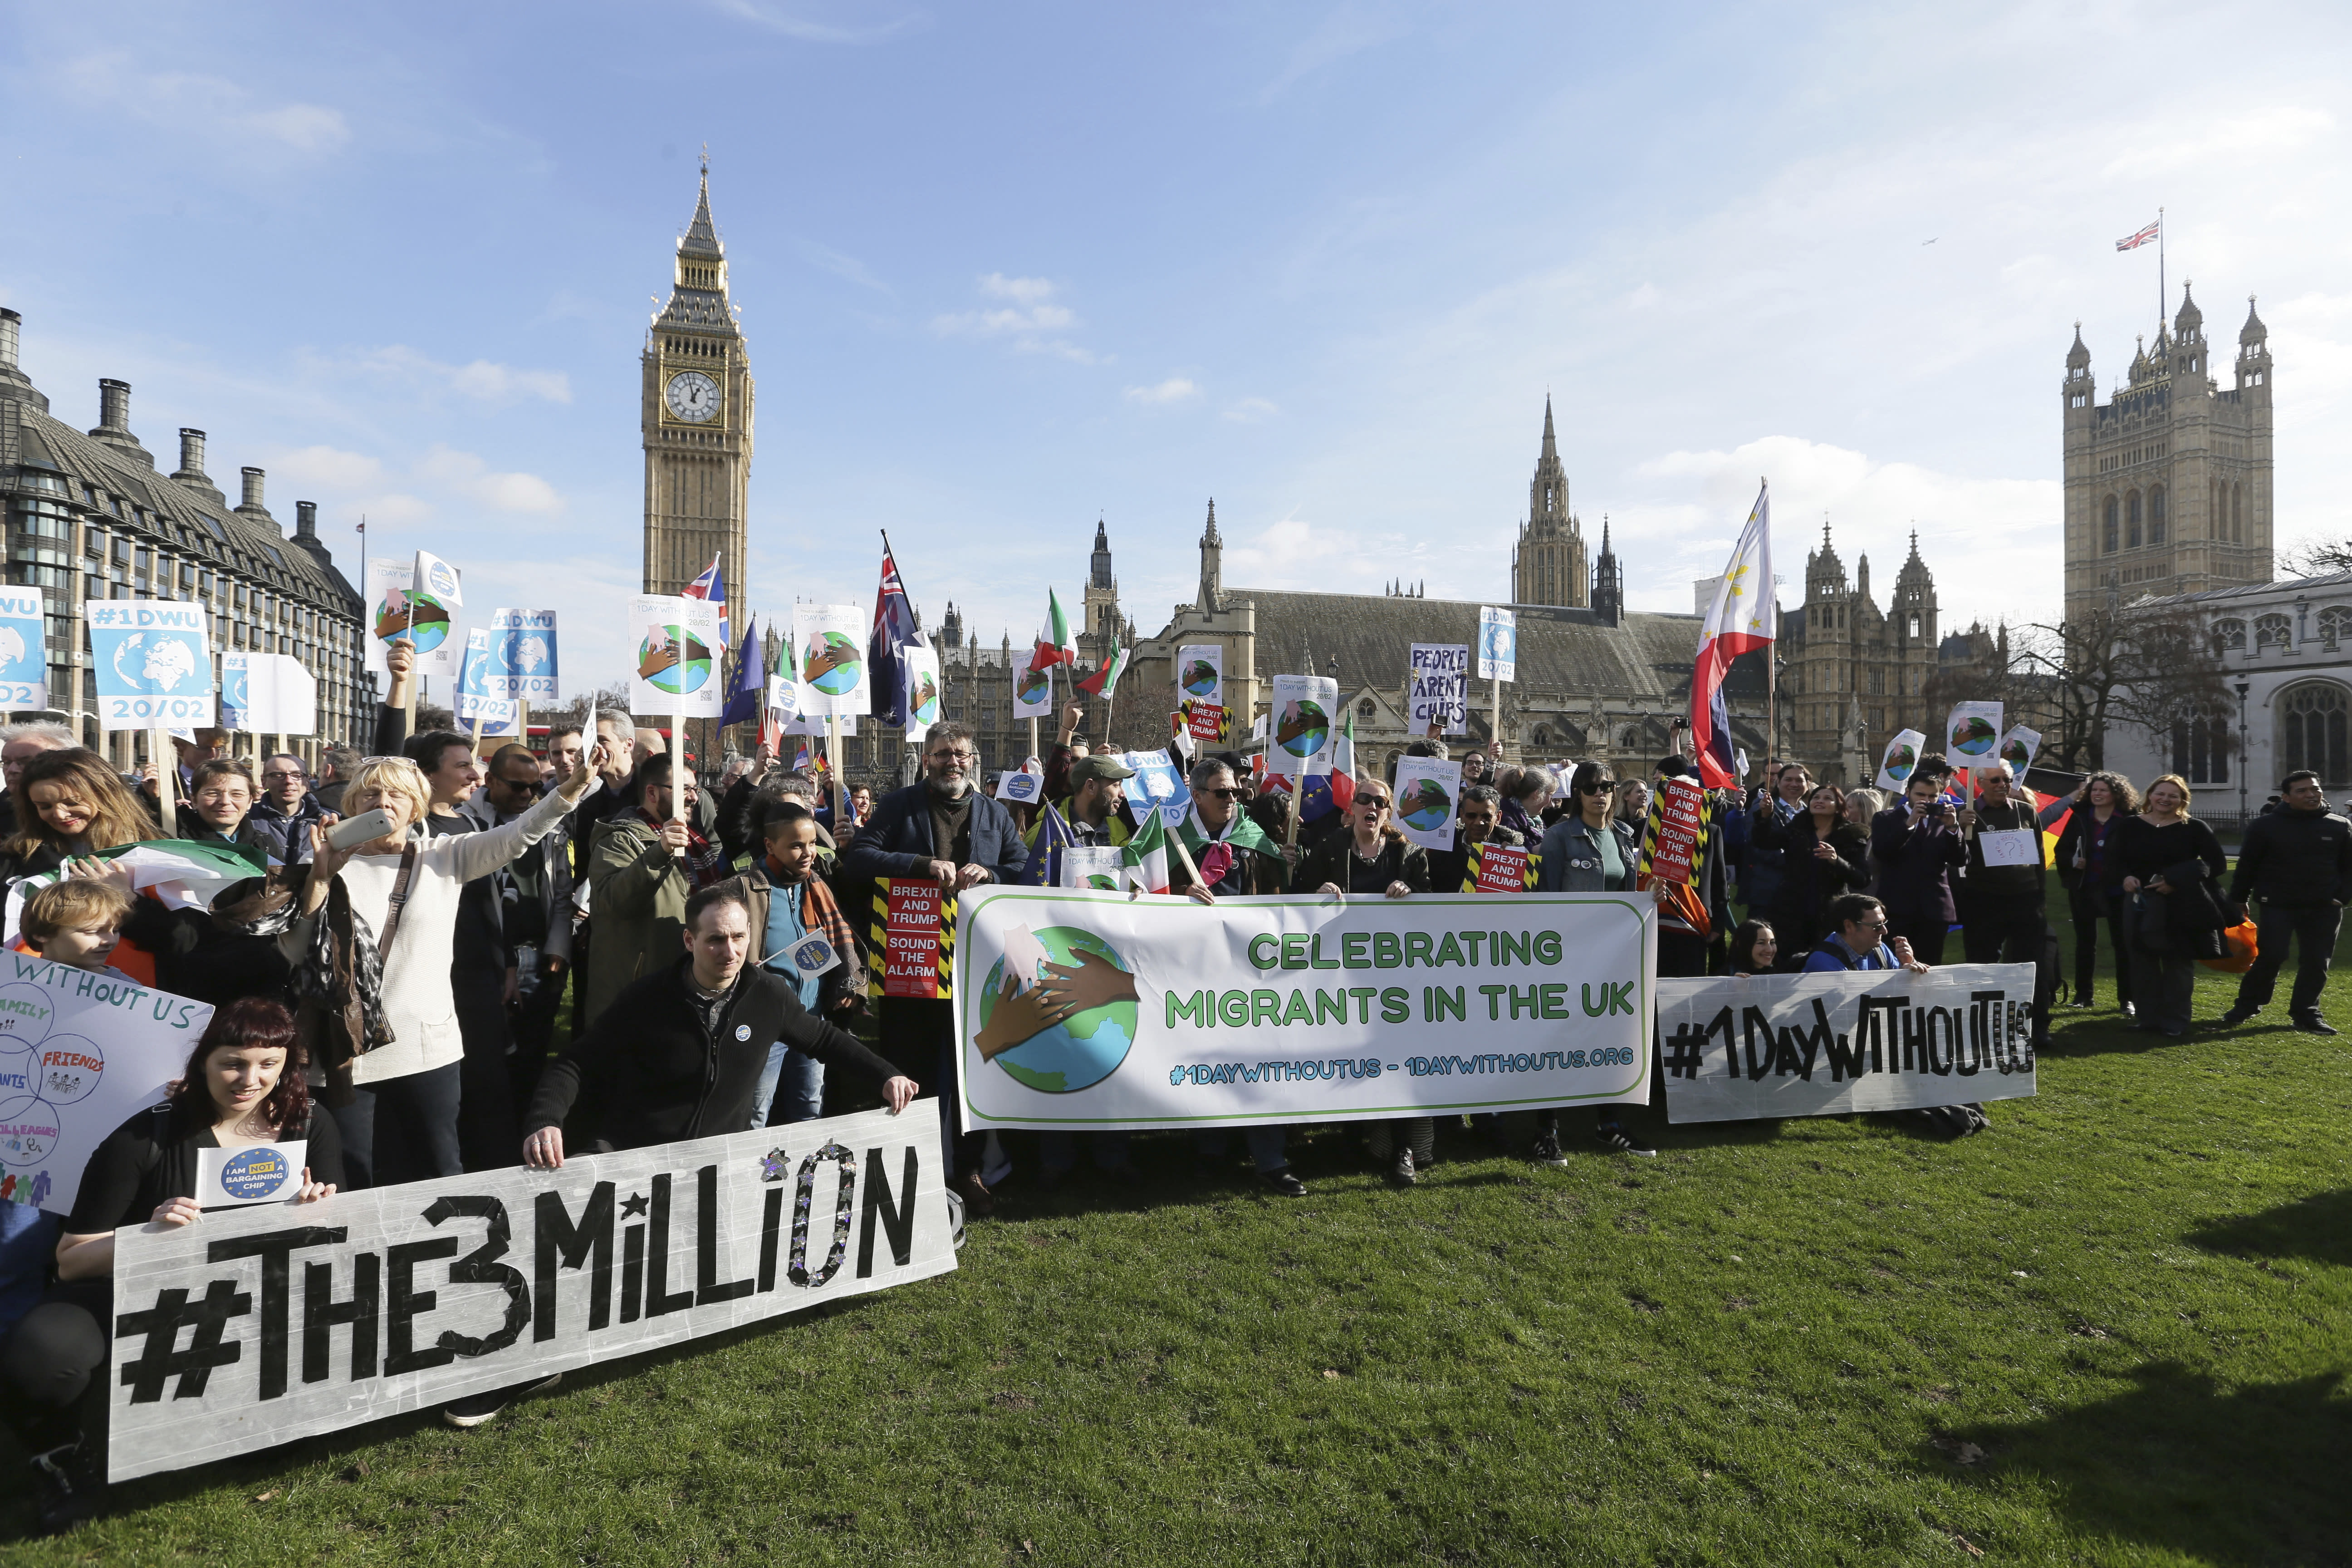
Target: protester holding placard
x,y
74,805
529,902
1761,875
1479,822
642,868
1589,852
944,832
243,1087
792,904
2091,867
1822,856
1371,857
1916,842
398,896
2004,889
2173,868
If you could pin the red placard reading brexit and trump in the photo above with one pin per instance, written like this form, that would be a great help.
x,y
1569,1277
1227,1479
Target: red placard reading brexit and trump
x,y
1677,829
913,929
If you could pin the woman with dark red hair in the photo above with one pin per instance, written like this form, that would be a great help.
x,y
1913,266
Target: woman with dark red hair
x,y
244,1087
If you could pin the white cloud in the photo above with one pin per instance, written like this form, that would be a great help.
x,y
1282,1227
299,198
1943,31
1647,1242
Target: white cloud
x,y
482,379
849,268
1251,411
1293,553
1029,324
470,478
210,106
325,467
1175,389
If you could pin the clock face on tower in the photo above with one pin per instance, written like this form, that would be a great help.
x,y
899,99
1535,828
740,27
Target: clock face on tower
x,y
693,398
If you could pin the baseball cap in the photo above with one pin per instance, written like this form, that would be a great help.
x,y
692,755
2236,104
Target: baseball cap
x,y
1098,767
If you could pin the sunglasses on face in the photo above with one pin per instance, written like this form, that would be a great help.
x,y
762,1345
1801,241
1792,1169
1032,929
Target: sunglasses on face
x,y
524,786
1375,802
1598,786
1224,793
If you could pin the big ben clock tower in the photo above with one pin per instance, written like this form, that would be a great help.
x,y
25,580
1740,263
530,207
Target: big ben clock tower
x,y
698,423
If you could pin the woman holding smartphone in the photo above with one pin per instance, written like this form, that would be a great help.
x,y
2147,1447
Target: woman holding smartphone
x,y
390,904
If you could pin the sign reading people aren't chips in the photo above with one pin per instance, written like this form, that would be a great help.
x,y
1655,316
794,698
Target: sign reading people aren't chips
x,y
261,1325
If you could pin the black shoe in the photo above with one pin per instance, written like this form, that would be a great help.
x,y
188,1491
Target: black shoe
x,y
1617,1140
475,1409
1401,1171
1282,1183
1547,1150
2236,1018
66,1487
2312,1024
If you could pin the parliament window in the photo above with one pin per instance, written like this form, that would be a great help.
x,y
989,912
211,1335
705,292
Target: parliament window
x,y
2155,515
2200,748
2312,719
2108,533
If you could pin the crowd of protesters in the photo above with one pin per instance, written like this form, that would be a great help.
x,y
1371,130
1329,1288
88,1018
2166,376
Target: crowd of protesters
x,y
394,997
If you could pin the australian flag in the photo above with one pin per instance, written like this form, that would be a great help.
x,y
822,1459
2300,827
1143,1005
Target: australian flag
x,y
749,695
895,627
1045,866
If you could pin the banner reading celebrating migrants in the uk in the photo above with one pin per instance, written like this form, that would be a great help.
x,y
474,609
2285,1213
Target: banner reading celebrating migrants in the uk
x,y
1831,1044
1078,1009
257,1326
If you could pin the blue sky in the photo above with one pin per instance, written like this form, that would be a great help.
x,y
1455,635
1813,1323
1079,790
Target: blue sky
x,y
1007,269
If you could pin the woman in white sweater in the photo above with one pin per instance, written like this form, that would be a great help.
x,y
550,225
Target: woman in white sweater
x,y
402,1124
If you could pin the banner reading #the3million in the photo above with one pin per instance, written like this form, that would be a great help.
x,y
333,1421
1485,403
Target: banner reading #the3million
x,y
1078,1009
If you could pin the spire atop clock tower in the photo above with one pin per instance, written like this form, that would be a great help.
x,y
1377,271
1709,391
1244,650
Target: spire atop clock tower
x,y
697,421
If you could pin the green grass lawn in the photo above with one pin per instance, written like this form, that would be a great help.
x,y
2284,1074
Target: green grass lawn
x,y
2111,1330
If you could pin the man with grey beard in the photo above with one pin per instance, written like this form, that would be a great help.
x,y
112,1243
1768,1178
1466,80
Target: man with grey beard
x,y
940,830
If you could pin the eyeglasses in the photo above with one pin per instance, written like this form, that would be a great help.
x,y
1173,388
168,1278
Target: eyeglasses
x,y
955,756
1878,924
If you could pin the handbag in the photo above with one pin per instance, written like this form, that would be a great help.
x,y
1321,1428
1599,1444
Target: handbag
x,y
2151,931
2238,944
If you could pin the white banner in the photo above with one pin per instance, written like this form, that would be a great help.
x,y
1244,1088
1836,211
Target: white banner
x,y
23,650
678,656
79,1051
1850,1040
1200,672
1499,644
524,666
253,1328
1033,693
2017,749
1295,1009
152,662
1894,765
1437,689
922,690
1972,733
267,694
829,641
1428,794
1304,724
476,678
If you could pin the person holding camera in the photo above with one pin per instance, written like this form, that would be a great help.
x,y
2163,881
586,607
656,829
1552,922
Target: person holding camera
x,y
1916,842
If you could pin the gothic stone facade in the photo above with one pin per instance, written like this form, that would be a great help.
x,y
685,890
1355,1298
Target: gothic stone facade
x,y
2168,482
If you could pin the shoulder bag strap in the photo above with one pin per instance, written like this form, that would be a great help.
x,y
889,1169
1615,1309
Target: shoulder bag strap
x,y
399,897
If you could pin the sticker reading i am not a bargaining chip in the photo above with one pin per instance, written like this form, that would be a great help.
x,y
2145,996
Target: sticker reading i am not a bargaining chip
x,y
264,1173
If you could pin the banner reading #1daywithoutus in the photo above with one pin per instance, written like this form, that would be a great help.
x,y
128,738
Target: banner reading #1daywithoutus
x,y
1078,1009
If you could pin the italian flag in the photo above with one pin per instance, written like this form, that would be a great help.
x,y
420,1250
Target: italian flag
x,y
1055,645
1146,854
177,873
1343,750
1113,665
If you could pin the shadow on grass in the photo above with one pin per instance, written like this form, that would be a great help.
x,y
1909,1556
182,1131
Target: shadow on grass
x,y
2253,1475
2317,1227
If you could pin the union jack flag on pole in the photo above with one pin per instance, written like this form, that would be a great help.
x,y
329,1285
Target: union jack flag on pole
x,y
710,586
2145,237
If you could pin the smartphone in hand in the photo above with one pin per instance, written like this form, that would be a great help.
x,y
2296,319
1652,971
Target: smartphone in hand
x,y
364,828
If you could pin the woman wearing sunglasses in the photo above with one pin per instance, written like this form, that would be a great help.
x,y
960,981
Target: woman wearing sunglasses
x,y
1590,850
1371,857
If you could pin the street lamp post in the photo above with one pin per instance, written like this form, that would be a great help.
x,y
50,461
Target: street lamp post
x,y
2244,687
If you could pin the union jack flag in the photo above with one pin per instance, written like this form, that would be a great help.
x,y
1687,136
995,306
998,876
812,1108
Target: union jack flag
x,y
2143,238
710,586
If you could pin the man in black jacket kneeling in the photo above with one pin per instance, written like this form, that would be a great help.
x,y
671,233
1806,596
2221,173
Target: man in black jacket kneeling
x,y
677,1055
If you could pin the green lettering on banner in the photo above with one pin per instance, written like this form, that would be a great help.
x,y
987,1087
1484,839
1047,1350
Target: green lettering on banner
x,y
1417,946
1294,951
1298,1012
1547,947
1317,959
1448,952
1509,948
1555,999
1351,950
1363,996
1265,1007
1268,962
1396,1005
1591,1011
1234,1007
1388,951
1331,1006
1471,939
1437,1002
1530,1001
1201,1008
1493,995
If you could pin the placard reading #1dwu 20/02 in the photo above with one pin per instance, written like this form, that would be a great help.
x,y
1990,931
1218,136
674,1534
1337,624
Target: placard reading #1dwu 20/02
x,y
1079,1010
1849,1040
259,1325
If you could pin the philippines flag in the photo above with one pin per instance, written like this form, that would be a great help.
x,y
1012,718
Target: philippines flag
x,y
710,586
895,627
2143,238
1745,616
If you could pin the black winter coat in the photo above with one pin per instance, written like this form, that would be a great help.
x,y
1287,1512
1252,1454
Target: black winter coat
x,y
2296,859
661,1076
